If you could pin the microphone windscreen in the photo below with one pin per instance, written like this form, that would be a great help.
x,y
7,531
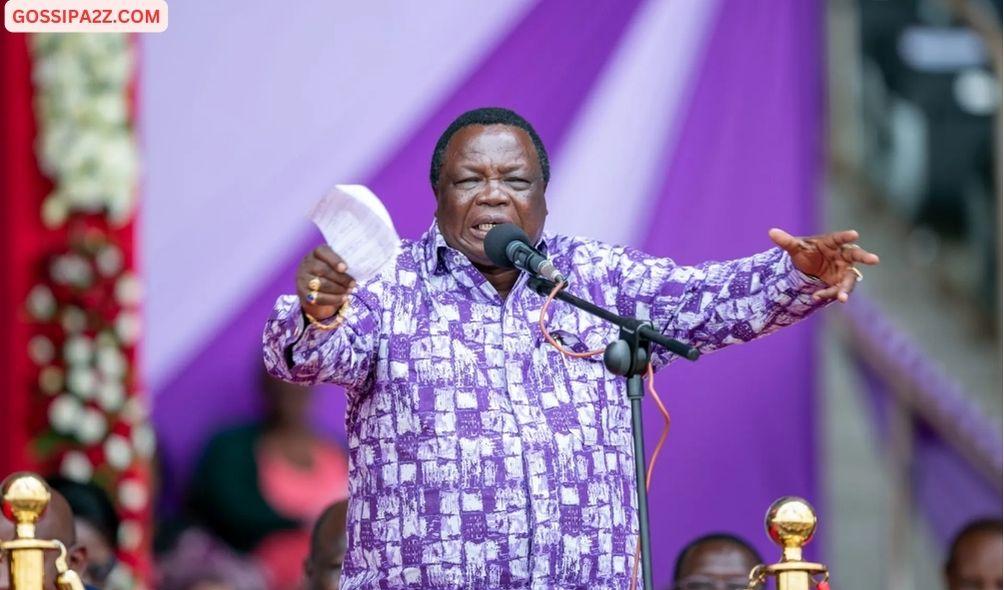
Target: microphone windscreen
x,y
499,238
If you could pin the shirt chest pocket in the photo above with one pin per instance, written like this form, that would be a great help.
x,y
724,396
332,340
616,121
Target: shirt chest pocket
x,y
571,379
578,332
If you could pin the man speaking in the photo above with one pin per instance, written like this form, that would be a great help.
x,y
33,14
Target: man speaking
x,y
480,457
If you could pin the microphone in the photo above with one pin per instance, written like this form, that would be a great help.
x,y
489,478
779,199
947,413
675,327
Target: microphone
x,y
508,246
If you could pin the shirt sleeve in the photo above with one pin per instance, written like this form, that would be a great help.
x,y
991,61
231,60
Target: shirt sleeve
x,y
299,352
715,304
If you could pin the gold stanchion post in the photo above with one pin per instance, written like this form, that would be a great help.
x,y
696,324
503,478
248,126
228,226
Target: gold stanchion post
x,y
790,522
25,498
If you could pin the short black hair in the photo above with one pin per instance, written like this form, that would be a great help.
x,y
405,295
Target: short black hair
x,y
487,116
91,504
990,526
336,511
728,538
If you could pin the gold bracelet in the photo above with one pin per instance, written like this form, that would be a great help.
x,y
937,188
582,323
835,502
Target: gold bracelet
x,y
340,316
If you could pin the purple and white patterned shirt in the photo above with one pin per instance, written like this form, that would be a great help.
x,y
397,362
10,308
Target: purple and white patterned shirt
x,y
480,457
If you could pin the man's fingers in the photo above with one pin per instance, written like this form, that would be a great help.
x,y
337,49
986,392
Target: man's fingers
x,y
848,236
862,256
324,271
341,284
329,300
847,285
827,293
328,256
783,239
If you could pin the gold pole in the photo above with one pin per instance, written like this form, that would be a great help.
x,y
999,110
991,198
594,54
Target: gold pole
x,y
790,522
25,498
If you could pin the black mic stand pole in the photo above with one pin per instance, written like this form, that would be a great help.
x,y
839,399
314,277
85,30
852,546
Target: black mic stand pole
x,y
628,356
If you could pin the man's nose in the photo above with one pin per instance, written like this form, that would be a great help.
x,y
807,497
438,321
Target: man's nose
x,y
495,194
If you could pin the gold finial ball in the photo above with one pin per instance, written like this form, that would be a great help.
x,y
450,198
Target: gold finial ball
x,y
25,497
790,521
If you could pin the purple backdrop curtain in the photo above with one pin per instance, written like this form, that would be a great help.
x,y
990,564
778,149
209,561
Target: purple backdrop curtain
x,y
748,159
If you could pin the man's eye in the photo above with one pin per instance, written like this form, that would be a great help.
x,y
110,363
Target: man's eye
x,y
468,182
518,183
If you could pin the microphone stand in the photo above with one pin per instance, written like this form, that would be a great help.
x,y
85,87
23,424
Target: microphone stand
x,y
628,356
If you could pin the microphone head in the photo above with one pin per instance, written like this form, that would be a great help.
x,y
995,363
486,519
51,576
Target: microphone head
x,y
499,238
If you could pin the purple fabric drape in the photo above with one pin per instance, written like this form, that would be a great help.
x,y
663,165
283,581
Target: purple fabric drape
x,y
748,159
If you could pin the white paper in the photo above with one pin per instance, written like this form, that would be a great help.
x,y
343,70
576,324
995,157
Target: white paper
x,y
358,228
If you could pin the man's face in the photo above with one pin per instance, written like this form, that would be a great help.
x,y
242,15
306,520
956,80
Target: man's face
x,y
715,565
490,175
324,567
978,563
100,555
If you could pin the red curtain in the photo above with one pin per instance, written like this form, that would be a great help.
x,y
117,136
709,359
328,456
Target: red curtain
x,y
25,240
25,248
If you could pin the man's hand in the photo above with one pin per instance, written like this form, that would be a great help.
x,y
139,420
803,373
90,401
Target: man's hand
x,y
327,272
828,257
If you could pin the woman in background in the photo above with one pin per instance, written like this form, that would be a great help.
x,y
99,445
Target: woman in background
x,y
260,486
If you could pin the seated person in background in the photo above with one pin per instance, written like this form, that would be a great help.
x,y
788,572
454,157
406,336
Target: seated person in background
x,y
97,526
328,543
259,486
55,523
718,561
974,557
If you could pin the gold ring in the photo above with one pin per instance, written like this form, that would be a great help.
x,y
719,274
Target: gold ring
x,y
314,284
860,277
312,297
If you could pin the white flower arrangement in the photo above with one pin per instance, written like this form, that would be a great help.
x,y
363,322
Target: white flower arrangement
x,y
41,302
144,441
65,413
91,427
78,350
73,320
128,327
50,380
133,495
41,350
82,381
86,143
118,453
111,395
134,411
128,290
76,466
111,362
130,535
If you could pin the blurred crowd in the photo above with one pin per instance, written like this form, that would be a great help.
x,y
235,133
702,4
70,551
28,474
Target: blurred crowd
x,y
202,558
267,508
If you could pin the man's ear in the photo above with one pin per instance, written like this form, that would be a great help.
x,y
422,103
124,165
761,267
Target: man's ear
x,y
76,559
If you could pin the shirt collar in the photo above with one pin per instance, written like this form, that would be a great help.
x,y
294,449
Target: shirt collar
x,y
436,248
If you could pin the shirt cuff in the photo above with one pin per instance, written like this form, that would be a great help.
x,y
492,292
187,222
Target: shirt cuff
x,y
290,330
